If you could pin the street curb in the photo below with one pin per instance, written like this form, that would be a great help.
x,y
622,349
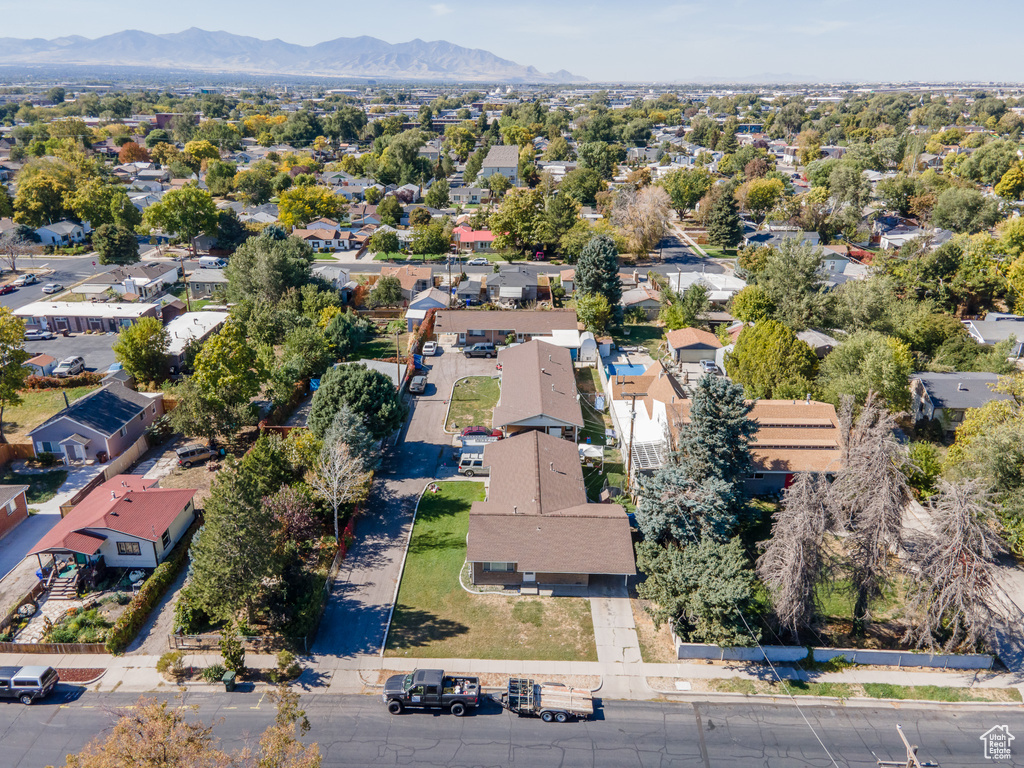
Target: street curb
x,y
861,701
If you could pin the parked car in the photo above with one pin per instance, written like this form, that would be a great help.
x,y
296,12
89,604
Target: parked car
x,y
484,349
35,335
26,684
478,262
430,349
418,385
211,262
431,689
9,288
471,464
25,280
69,366
53,288
193,454
708,366
480,432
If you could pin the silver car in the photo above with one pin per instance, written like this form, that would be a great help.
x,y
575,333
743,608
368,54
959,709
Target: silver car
x,y
69,366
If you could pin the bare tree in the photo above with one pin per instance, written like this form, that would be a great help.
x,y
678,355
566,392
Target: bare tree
x,y
793,561
339,478
12,246
643,215
868,498
953,589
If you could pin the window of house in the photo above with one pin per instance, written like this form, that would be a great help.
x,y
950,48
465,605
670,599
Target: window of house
x,y
129,548
124,431
10,507
499,567
165,540
142,416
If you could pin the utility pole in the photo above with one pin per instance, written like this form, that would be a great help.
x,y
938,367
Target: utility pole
x,y
629,449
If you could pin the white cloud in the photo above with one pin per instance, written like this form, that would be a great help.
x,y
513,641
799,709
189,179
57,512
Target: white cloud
x,y
440,9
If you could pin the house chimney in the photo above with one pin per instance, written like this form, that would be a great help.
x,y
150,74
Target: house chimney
x,y
515,510
959,386
113,494
543,370
551,466
808,400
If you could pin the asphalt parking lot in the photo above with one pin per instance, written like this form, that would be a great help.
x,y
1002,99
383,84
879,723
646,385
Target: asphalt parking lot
x,y
96,348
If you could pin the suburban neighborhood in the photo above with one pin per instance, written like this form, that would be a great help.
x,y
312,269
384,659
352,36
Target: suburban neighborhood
x,y
596,403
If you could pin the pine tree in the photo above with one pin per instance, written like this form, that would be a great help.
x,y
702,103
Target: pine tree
x,y
597,270
724,227
675,507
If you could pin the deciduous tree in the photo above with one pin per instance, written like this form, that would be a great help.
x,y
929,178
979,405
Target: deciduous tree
x,y
369,393
771,362
12,362
302,204
142,349
187,213
115,244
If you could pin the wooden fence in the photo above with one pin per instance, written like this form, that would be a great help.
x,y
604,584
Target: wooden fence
x,y
53,648
13,451
85,491
126,459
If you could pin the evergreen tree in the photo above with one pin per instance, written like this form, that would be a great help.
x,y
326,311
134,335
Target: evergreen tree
x,y
675,507
597,270
724,227
714,443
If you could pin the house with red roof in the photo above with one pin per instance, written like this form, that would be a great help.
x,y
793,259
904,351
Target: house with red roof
x,y
469,240
126,522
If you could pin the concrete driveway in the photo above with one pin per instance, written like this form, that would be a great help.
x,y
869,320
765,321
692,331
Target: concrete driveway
x,y
357,612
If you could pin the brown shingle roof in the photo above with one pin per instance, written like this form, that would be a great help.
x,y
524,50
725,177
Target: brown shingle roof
x,y
537,513
684,338
531,322
537,379
408,276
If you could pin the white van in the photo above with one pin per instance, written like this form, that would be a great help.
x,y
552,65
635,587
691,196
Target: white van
x,y
211,262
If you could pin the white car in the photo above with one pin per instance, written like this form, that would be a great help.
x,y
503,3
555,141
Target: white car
x,y
53,288
708,366
430,349
479,262
26,280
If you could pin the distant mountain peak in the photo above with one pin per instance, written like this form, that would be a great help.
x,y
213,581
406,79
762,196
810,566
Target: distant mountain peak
x,y
220,51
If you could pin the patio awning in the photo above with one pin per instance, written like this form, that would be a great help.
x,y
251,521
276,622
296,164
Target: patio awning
x,y
648,455
510,293
90,289
84,543
76,438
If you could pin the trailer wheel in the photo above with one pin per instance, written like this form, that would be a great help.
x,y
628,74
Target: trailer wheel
x,y
561,717
395,707
458,709
547,717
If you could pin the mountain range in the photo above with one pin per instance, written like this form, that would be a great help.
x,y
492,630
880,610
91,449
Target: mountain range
x,y
198,49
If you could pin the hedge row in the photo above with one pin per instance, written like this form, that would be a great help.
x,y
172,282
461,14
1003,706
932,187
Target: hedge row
x,y
130,622
52,382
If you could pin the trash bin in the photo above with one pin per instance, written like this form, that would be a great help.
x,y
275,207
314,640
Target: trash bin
x,y
229,681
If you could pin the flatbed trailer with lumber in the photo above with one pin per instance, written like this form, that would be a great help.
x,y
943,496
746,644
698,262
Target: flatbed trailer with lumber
x,y
551,702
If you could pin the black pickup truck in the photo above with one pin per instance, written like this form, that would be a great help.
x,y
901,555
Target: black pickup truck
x,y
431,689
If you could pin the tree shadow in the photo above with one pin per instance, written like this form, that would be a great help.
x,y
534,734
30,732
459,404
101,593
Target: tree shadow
x,y
412,628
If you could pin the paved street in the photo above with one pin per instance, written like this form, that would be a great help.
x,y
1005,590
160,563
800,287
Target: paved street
x,y
357,612
358,731
67,270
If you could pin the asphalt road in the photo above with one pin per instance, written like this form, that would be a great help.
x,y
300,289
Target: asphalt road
x,y
67,271
358,731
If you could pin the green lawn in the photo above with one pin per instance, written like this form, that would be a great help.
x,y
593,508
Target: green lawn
x,y
324,257
41,487
473,400
436,618
649,336
410,257
716,252
861,690
36,407
380,346
588,382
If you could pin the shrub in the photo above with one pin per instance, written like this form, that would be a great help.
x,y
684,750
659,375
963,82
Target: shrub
x,y
232,650
172,662
134,616
46,459
287,667
214,673
52,382
79,627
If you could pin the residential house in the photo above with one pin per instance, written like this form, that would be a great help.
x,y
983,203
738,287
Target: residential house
x,y
413,279
947,396
777,235
691,345
362,214
395,372
995,328
538,391
188,328
205,282
99,426
470,290
536,530
644,297
335,274
41,365
423,302
469,240
504,160
320,238
79,316
720,287
61,233
126,522
143,280
512,284
639,409
468,195
819,341
13,507
461,327
568,280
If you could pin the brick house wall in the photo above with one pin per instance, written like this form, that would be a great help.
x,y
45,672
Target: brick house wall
x,y
15,513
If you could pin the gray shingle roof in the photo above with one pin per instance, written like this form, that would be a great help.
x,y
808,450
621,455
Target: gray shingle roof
x,y
960,390
502,157
106,410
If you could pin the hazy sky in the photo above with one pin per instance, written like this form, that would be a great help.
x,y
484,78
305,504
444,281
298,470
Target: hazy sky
x,y
606,40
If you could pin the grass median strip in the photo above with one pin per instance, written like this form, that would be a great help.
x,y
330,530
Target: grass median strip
x,y
436,618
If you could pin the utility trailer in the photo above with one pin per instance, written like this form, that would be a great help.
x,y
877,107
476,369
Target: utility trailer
x,y
551,702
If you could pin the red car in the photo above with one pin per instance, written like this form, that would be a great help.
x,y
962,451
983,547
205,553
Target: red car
x,y
480,432
6,289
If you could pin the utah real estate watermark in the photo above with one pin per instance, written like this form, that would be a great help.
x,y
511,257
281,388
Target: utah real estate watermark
x,y
997,742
